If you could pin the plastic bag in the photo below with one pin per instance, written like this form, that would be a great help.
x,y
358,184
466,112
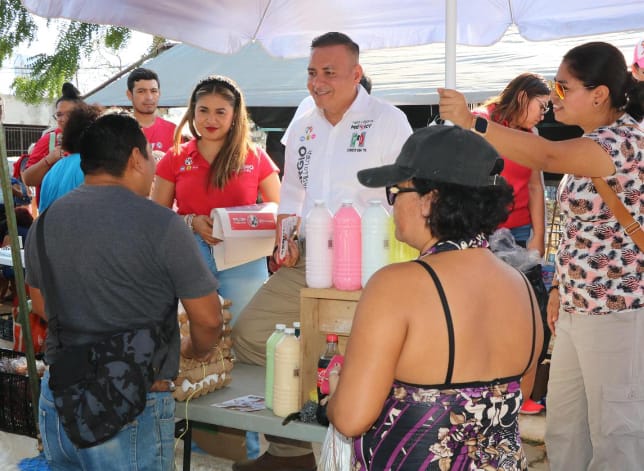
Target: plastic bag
x,y
337,451
504,246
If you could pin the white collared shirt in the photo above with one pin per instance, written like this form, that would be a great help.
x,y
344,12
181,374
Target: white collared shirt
x,y
321,160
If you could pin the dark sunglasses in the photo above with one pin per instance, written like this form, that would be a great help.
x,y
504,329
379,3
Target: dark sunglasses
x,y
394,190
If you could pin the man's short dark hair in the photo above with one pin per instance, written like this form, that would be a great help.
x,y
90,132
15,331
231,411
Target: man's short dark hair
x,y
334,38
141,74
365,81
106,145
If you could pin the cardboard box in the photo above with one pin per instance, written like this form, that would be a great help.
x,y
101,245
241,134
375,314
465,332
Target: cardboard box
x,y
222,442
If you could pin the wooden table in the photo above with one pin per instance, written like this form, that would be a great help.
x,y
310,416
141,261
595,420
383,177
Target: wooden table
x,y
247,379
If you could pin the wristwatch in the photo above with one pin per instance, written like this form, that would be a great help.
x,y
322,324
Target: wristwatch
x,y
479,126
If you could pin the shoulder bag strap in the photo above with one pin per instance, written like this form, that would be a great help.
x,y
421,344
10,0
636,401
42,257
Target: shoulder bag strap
x,y
630,225
53,303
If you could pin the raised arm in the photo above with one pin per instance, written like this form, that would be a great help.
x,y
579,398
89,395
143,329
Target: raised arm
x,y
580,156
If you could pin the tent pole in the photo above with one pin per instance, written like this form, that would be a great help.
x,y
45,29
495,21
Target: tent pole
x,y
23,318
450,43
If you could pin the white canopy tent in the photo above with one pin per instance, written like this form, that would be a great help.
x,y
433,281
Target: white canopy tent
x,y
285,27
405,76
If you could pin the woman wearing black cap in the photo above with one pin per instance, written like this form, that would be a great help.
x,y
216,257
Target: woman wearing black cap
x,y
437,363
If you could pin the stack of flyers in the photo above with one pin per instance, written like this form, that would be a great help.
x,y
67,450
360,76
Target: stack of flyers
x,y
249,403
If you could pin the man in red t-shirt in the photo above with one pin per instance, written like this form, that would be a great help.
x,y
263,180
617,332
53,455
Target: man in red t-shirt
x,y
143,91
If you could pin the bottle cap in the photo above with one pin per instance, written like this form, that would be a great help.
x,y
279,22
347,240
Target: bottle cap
x,y
332,338
280,326
375,202
319,203
296,325
289,331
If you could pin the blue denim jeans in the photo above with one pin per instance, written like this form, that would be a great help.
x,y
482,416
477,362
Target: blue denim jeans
x,y
238,284
522,234
147,443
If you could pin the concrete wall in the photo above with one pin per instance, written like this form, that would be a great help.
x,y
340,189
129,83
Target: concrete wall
x,y
17,112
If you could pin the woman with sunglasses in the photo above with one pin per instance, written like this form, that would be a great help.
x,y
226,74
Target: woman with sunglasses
x,y
522,105
218,168
457,408
595,392
48,150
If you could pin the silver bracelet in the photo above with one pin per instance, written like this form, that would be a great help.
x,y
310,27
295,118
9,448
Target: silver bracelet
x,y
188,218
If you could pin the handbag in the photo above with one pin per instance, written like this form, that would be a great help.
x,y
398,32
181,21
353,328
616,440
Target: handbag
x,y
336,453
101,386
626,220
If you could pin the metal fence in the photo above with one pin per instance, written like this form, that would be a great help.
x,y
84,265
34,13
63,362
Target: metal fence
x,y
19,137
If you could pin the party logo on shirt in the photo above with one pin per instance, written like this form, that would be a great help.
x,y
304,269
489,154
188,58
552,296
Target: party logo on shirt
x,y
309,135
359,135
187,164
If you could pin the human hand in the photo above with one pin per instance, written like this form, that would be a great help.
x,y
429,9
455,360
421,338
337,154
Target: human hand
x,y
334,378
188,351
553,309
292,254
537,244
202,225
54,155
453,107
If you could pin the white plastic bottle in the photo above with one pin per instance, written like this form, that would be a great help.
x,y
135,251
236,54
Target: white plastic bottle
x,y
319,246
375,239
271,343
286,387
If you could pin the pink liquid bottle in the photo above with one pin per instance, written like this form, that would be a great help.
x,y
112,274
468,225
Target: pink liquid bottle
x,y
347,248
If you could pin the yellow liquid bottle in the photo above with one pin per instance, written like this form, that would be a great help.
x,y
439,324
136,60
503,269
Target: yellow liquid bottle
x,y
399,251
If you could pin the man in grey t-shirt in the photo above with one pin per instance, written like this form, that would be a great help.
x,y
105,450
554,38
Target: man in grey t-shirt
x,y
119,262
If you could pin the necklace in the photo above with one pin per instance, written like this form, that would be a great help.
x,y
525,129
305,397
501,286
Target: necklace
x,y
479,241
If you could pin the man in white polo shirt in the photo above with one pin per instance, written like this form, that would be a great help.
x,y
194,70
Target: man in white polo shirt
x,y
348,130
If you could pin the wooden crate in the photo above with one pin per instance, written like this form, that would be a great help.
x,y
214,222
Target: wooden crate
x,y
322,311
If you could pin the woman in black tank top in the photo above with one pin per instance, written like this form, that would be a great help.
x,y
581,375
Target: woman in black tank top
x,y
441,347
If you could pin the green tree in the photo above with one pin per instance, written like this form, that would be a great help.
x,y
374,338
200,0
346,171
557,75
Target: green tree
x,y
76,41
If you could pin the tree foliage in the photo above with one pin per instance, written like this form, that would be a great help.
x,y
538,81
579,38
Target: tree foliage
x,y
76,41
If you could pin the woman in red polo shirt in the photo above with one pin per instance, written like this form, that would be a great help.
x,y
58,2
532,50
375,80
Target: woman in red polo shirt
x,y
522,105
218,168
47,150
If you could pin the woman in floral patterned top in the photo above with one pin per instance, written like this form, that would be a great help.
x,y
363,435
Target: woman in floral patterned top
x,y
595,392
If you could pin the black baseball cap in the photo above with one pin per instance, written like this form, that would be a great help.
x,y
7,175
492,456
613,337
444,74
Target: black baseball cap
x,y
441,153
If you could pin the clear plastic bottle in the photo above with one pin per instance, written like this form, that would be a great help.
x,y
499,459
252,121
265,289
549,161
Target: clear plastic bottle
x,y
330,351
275,337
347,248
399,251
375,239
319,246
286,387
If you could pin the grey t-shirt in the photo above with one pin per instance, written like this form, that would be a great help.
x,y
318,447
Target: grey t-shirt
x,y
120,262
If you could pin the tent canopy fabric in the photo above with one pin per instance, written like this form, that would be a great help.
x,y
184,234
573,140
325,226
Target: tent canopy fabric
x,y
285,27
402,76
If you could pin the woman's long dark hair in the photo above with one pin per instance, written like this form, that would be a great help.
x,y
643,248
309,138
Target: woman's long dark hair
x,y
599,63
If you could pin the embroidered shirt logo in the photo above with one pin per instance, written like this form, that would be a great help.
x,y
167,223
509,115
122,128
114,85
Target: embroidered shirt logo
x,y
187,164
309,135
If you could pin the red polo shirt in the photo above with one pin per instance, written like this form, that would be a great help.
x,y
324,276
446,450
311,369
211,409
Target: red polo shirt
x,y
193,193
